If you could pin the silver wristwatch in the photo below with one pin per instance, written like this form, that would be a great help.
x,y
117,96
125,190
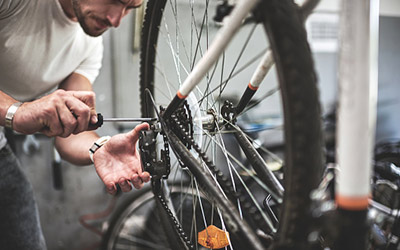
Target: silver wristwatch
x,y
10,114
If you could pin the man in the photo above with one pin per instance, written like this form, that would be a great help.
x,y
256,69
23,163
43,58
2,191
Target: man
x,y
44,45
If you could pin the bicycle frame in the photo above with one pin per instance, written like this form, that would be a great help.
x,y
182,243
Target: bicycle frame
x,y
220,42
217,47
356,116
357,96
242,8
357,110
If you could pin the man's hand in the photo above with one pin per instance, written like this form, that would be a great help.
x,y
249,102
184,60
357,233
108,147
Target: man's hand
x,y
60,113
118,162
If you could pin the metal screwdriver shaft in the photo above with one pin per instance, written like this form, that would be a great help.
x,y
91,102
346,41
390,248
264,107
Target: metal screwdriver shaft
x,y
129,119
101,120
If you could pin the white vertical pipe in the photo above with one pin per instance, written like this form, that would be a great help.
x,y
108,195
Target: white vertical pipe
x,y
357,96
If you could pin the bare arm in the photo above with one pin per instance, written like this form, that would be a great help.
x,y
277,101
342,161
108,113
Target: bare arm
x,y
60,113
5,102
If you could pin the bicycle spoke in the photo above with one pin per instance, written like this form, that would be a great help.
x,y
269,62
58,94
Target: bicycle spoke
x,y
223,86
177,40
233,169
132,241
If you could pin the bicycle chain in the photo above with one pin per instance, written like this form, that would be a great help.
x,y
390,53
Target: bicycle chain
x,y
166,152
224,182
181,129
167,162
177,225
184,114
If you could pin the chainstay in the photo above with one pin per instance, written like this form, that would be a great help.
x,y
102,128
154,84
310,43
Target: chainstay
x,y
224,182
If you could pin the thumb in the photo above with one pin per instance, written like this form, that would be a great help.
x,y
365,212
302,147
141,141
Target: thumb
x,y
134,133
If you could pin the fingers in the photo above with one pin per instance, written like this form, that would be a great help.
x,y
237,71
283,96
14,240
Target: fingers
x,y
111,188
58,121
67,122
137,180
125,185
66,112
81,112
61,113
82,104
145,176
89,98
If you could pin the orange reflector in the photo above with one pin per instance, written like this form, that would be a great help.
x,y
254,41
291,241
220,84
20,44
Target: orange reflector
x,y
213,238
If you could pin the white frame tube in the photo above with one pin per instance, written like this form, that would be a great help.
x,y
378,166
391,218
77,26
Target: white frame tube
x,y
357,100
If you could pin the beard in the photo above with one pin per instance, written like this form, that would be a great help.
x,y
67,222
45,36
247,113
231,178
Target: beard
x,y
85,19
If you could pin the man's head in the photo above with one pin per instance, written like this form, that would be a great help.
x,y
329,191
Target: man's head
x,y
96,16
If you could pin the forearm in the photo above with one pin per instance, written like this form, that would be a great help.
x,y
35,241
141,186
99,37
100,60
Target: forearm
x,y
5,102
75,148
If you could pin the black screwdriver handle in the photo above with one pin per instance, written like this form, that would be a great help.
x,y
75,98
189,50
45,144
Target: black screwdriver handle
x,y
98,124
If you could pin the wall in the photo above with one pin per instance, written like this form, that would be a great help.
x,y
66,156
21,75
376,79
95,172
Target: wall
x,y
388,122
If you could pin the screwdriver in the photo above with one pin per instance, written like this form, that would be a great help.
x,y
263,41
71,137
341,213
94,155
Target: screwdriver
x,y
101,120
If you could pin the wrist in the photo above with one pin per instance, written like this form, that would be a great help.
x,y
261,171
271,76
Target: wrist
x,y
98,144
9,117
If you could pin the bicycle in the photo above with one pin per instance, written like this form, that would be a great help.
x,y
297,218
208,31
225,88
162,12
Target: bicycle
x,y
195,123
302,131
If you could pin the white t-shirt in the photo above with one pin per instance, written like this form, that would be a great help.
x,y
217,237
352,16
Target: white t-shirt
x,y
40,46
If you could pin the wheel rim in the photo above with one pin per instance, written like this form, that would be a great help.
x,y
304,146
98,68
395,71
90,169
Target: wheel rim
x,y
172,52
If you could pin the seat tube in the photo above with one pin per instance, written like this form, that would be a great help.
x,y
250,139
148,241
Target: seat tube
x,y
358,83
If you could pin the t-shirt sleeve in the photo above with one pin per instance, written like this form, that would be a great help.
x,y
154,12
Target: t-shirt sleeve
x,y
11,7
90,67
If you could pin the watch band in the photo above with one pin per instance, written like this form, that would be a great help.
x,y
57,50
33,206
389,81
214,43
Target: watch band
x,y
10,114
97,144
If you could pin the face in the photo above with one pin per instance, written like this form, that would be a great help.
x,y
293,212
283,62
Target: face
x,y
96,16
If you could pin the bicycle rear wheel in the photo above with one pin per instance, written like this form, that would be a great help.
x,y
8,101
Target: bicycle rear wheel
x,y
175,35
136,222
386,197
